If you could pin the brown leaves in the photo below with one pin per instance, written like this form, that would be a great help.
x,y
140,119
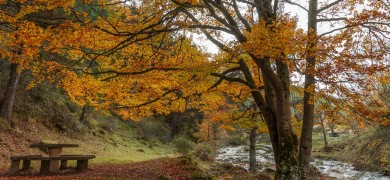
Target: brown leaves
x,y
168,168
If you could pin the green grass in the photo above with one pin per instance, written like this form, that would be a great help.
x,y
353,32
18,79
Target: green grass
x,y
318,140
121,146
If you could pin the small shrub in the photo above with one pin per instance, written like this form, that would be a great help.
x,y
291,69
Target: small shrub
x,y
152,129
183,145
205,151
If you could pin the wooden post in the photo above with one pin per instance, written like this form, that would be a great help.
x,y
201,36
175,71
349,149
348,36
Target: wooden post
x,y
45,167
26,164
81,164
64,164
14,166
54,164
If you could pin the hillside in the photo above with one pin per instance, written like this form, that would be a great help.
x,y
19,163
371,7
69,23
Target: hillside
x,y
118,146
44,114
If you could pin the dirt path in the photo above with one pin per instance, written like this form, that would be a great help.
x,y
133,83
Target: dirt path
x,y
166,168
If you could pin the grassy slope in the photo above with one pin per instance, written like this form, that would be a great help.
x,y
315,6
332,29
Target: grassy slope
x,y
369,150
44,113
119,146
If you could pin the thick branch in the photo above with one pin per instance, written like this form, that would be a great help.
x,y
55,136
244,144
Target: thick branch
x,y
225,73
232,79
242,19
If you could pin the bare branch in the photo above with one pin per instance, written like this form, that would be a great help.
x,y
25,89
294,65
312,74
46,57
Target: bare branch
x,y
118,73
296,4
328,6
207,34
334,30
242,19
332,19
211,27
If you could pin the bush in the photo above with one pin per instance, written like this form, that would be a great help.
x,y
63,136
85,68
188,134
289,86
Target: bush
x,y
205,151
152,129
183,144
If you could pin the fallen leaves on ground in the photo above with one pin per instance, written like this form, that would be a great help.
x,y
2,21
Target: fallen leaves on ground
x,y
165,168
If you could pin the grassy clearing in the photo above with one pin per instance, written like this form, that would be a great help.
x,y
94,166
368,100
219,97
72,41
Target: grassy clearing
x,y
117,147
45,114
318,141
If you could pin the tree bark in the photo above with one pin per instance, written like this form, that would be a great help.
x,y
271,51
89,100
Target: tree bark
x,y
252,149
83,113
324,134
9,96
275,107
288,141
305,145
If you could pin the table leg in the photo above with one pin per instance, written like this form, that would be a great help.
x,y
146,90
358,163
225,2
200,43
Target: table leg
x,y
45,167
64,164
54,164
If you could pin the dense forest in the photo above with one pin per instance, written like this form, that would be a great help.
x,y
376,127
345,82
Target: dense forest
x,y
299,79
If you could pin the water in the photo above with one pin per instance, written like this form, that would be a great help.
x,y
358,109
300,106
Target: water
x,y
240,156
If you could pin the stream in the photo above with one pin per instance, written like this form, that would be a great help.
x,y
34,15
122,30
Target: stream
x,y
239,156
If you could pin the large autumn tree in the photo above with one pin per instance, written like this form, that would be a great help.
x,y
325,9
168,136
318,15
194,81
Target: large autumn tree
x,y
267,48
138,60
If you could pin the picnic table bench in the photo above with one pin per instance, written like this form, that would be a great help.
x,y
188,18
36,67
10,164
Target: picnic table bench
x,y
82,162
50,163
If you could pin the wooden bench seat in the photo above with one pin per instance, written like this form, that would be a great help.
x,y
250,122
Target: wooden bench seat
x,y
15,162
82,162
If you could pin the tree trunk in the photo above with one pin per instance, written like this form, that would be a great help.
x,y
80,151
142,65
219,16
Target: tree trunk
x,y
9,95
83,113
174,125
305,145
324,133
275,107
288,141
252,149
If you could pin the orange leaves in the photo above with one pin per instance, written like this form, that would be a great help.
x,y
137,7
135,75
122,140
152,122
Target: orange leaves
x,y
276,39
193,2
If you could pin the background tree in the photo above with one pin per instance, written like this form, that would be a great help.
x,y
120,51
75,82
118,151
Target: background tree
x,y
22,29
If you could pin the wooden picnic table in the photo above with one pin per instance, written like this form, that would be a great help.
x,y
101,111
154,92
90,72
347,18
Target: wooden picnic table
x,y
54,151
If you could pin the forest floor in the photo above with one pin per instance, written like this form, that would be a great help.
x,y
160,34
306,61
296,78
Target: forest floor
x,y
119,155
164,168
